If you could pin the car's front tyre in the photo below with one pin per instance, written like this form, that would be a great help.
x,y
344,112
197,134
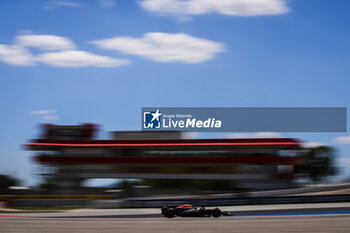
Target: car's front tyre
x,y
216,213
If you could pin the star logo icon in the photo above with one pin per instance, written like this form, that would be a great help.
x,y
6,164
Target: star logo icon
x,y
152,119
156,115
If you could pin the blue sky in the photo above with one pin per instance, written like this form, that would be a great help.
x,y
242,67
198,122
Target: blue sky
x,y
67,62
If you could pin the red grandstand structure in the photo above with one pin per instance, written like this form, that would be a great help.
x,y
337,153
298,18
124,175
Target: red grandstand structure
x,y
74,155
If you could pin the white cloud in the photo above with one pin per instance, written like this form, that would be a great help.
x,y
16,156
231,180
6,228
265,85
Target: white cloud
x,y
45,42
76,58
47,115
342,140
256,135
224,7
42,112
57,4
67,3
15,55
108,3
65,54
165,47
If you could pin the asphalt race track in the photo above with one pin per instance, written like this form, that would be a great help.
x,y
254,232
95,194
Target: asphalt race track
x,y
324,218
303,224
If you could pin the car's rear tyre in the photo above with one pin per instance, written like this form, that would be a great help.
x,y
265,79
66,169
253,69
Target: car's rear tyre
x,y
169,213
216,213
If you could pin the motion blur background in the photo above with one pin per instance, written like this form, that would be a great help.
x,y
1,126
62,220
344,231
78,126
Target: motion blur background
x,y
74,66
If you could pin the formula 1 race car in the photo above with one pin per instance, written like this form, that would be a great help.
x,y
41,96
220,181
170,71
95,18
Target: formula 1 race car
x,y
189,210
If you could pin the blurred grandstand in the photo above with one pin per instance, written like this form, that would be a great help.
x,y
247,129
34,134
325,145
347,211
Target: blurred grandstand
x,y
69,155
